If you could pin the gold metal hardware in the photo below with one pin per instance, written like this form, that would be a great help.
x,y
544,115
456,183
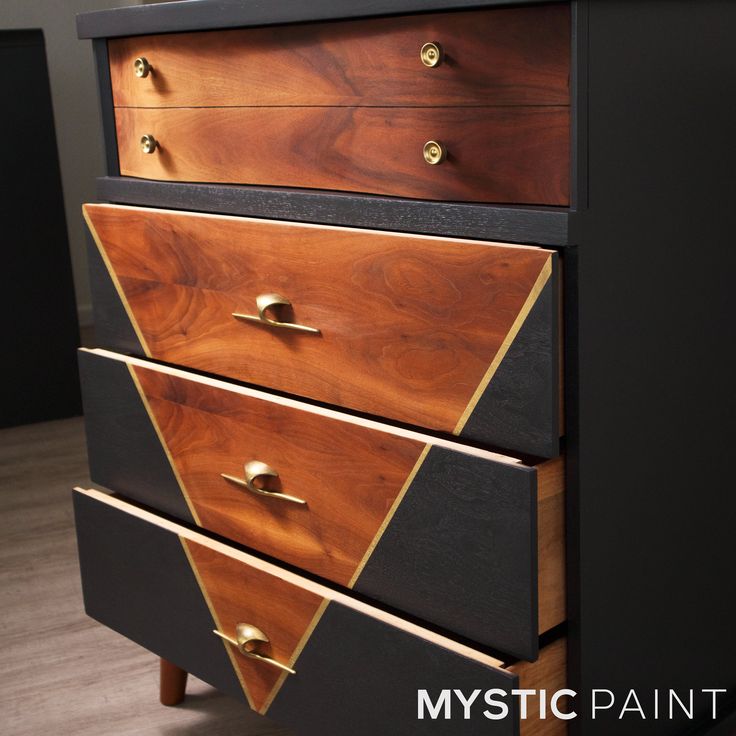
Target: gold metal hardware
x,y
264,302
255,469
247,641
148,143
141,67
431,54
434,152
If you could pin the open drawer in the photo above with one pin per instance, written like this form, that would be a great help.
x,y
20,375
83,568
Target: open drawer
x,y
467,539
293,649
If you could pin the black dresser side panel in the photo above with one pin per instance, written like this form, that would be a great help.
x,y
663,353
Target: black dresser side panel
x,y
653,438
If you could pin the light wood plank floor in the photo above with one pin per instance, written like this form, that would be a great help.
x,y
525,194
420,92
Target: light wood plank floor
x,y
60,672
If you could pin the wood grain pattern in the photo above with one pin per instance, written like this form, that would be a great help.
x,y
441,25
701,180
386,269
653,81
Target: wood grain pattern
x,y
551,572
349,475
504,154
545,226
241,594
506,56
409,324
548,673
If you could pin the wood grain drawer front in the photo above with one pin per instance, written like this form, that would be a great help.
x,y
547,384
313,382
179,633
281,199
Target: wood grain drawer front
x,y
510,56
503,154
466,539
168,588
458,336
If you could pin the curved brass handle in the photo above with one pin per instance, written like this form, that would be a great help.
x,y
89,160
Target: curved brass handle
x,y
431,54
256,469
264,302
247,640
148,143
434,152
141,67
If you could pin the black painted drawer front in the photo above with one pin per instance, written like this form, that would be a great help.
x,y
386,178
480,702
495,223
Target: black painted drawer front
x,y
468,540
167,588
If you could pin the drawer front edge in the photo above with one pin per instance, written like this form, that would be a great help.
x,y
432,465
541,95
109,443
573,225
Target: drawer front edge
x,y
145,582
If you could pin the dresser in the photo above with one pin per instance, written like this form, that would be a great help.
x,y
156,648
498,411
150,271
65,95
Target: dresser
x,y
368,292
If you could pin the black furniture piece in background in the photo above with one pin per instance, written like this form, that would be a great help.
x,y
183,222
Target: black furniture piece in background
x,y
38,316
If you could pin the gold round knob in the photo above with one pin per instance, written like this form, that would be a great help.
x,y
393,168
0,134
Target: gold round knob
x,y
142,67
431,54
434,152
148,144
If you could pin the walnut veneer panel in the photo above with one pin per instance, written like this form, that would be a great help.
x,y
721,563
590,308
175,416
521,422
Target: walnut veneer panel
x,y
237,593
348,475
501,154
413,328
509,56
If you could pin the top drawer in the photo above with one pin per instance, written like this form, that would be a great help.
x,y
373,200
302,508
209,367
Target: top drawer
x,y
512,56
371,106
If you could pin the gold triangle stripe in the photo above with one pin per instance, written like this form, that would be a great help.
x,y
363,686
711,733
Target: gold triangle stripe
x,y
539,284
394,506
215,618
164,446
116,282
299,648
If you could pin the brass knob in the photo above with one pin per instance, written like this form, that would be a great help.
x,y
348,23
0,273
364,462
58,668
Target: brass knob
x,y
141,67
148,144
431,54
434,152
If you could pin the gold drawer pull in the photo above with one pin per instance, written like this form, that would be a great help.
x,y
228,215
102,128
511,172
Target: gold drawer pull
x,y
434,152
264,302
247,640
141,67
431,54
256,469
148,143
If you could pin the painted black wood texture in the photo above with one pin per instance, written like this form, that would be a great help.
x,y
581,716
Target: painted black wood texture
x,y
541,226
38,317
107,110
208,14
124,451
112,324
651,432
461,551
521,406
381,692
137,580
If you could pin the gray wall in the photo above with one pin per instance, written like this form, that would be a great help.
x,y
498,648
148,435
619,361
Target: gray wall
x,y
76,111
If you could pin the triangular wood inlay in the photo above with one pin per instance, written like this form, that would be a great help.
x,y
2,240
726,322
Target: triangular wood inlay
x,y
409,324
237,593
350,476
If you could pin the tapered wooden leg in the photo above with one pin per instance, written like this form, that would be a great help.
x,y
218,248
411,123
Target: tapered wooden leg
x,y
173,683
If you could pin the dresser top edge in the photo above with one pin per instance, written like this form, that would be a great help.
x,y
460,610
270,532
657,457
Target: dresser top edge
x,y
200,15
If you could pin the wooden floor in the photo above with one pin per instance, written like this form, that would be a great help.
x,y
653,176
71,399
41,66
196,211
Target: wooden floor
x,y
60,672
